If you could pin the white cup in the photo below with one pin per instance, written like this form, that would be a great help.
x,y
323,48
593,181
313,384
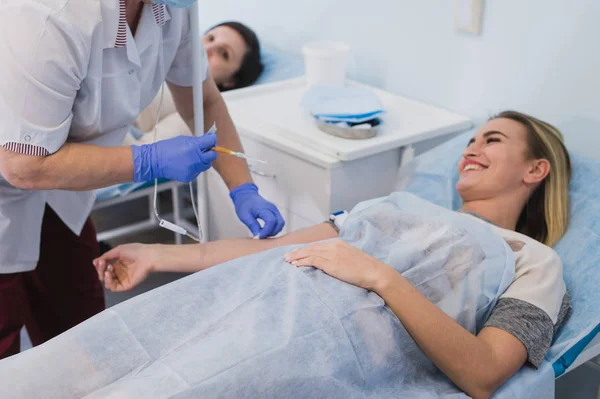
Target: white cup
x,y
325,62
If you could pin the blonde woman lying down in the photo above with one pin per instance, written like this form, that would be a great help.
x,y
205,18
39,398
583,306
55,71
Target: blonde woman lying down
x,y
514,174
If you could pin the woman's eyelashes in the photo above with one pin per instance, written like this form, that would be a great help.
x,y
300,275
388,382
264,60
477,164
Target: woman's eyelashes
x,y
488,141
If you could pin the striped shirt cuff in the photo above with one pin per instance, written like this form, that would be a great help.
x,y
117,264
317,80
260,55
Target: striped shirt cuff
x,y
26,149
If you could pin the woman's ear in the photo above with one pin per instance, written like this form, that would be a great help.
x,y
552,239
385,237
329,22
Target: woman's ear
x,y
538,170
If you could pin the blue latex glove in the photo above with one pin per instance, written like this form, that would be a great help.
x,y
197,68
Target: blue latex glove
x,y
181,158
250,206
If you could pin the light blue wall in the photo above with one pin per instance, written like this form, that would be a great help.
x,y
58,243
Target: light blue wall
x,y
536,56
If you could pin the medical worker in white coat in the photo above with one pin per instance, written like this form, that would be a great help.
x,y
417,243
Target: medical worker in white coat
x,y
74,75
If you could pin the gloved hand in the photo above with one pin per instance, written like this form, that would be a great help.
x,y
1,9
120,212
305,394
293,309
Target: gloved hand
x,y
250,206
181,158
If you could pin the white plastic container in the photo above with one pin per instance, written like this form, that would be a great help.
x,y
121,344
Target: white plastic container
x,y
325,62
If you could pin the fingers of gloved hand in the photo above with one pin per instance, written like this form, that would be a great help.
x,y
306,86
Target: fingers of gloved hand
x,y
181,158
268,216
250,221
206,141
255,229
280,223
209,157
189,169
202,145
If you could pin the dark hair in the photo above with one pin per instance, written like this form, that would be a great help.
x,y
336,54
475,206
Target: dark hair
x,y
251,66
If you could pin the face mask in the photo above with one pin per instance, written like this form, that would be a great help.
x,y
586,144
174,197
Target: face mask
x,y
176,3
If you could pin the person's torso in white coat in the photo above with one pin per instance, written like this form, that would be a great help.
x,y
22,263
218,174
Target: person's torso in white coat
x,y
71,71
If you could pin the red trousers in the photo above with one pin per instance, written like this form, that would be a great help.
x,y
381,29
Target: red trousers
x,y
60,293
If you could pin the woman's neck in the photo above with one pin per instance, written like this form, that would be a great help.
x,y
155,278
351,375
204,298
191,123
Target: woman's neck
x,y
503,212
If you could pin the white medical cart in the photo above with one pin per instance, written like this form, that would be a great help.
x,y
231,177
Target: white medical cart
x,y
310,173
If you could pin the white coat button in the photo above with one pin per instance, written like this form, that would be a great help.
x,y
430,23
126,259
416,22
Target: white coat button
x,y
131,71
27,138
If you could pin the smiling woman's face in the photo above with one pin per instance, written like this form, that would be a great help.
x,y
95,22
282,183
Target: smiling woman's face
x,y
495,162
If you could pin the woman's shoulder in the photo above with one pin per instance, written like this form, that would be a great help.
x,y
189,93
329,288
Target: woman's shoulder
x,y
536,251
536,303
538,273
521,243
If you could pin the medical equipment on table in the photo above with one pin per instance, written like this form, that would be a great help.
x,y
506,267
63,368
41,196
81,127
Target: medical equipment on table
x,y
355,104
325,62
346,112
345,131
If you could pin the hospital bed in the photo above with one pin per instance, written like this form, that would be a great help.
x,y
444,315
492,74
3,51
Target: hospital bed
x,y
279,65
433,176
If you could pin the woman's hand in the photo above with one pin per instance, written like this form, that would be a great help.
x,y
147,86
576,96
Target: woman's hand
x,y
126,266
342,261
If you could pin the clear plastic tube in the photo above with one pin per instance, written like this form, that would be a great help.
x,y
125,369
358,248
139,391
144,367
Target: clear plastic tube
x,y
165,223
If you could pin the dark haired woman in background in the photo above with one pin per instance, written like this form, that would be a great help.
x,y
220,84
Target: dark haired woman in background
x,y
233,55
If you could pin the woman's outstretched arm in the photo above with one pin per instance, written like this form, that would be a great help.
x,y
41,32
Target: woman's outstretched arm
x,y
195,257
125,266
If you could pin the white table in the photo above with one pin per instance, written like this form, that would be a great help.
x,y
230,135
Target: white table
x,y
310,173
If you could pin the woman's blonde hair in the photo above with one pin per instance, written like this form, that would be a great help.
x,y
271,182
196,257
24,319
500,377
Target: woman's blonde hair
x,y
546,214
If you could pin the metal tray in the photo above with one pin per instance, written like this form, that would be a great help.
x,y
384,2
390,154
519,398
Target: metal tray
x,y
348,132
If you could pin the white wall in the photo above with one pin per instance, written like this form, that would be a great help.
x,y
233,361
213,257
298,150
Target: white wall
x,y
536,56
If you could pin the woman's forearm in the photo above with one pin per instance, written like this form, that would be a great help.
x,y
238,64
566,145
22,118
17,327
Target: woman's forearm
x,y
466,359
234,171
74,166
196,257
